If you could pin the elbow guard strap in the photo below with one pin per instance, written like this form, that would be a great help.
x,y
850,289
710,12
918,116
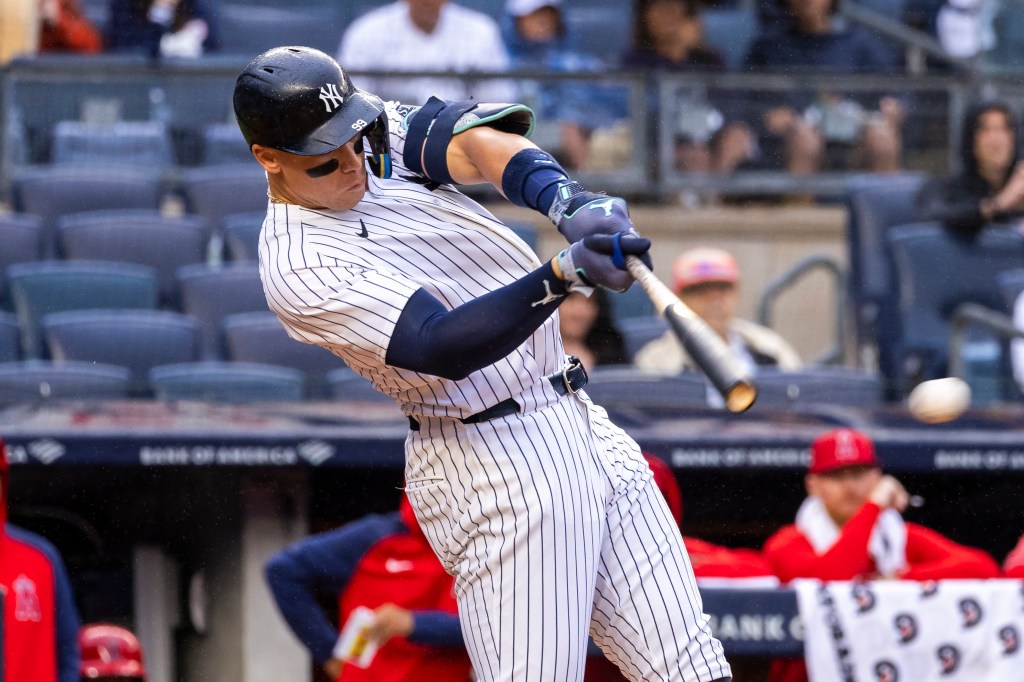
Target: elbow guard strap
x,y
431,129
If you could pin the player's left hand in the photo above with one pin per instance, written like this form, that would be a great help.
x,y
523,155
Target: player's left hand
x,y
599,260
590,213
390,621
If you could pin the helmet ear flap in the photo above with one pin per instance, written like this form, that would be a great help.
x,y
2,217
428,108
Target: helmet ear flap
x,y
380,147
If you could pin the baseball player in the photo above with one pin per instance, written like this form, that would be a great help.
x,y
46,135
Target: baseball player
x,y
540,507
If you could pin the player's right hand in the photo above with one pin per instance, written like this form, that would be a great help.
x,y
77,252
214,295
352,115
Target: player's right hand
x,y
599,260
889,492
588,213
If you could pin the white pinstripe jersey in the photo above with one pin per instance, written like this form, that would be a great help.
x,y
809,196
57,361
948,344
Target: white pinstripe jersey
x,y
332,287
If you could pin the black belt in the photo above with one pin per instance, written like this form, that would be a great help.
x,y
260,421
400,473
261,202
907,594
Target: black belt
x,y
569,380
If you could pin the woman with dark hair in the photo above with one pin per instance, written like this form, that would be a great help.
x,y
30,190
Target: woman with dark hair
x,y
168,28
588,331
990,188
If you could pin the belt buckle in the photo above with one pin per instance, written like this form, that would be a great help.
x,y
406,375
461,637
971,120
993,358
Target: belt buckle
x,y
574,362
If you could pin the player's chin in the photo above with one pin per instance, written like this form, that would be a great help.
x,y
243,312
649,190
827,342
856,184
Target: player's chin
x,y
347,198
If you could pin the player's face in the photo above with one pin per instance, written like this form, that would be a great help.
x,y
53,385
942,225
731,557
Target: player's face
x,y
334,181
994,141
843,490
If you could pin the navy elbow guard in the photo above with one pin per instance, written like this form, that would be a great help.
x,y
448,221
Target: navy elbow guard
x,y
432,126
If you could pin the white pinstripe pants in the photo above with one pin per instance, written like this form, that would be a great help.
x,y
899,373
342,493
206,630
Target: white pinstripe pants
x,y
552,528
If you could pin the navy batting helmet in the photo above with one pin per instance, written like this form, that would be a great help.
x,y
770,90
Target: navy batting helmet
x,y
301,101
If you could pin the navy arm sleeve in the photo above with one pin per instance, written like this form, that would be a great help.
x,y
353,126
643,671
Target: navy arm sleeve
x,y
321,565
452,344
436,628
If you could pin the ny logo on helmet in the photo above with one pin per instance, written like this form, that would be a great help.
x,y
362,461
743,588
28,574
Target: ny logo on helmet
x,y
330,96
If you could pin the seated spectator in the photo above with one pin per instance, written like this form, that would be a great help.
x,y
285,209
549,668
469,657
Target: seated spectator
x,y
990,188
28,27
427,35
588,331
163,28
1013,566
964,28
110,654
383,563
668,36
805,130
850,527
707,280
537,39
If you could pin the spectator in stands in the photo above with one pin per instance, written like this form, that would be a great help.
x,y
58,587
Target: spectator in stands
x,y
537,39
588,330
964,28
427,35
668,36
110,653
990,186
707,280
850,527
40,621
806,131
45,26
1013,566
383,563
163,28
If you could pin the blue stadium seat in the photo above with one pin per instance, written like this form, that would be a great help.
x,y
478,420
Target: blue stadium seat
x,y
223,143
212,293
136,339
21,236
38,289
22,382
137,236
633,302
226,382
601,29
345,384
259,337
731,32
816,387
242,234
10,338
125,143
248,32
53,191
214,192
936,272
637,332
629,387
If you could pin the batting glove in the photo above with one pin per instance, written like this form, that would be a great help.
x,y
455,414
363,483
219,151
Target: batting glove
x,y
578,213
599,260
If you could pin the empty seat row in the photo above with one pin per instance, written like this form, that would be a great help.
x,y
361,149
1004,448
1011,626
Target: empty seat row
x,y
143,144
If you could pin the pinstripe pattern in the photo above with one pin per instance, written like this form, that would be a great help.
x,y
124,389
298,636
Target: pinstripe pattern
x,y
546,518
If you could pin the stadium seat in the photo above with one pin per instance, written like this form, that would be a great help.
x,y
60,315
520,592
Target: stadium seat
x,y
347,385
876,204
214,192
53,191
226,382
137,236
223,143
731,32
124,143
639,331
816,387
627,387
936,272
212,293
136,339
21,236
247,32
633,302
259,337
38,289
10,343
600,28
22,382
242,234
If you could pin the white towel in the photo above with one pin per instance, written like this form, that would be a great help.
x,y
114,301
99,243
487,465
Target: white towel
x,y
887,545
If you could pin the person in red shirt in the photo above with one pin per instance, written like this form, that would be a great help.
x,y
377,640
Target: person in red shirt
x,y
1013,565
383,563
850,527
64,28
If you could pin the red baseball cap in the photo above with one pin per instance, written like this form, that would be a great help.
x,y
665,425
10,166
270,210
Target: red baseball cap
x,y
703,265
841,448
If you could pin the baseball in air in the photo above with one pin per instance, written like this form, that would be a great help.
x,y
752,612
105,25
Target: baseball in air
x,y
939,400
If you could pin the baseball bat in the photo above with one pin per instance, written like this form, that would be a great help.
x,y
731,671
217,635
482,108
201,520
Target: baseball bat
x,y
706,348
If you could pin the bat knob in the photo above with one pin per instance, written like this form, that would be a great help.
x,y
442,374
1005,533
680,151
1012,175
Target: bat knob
x,y
740,396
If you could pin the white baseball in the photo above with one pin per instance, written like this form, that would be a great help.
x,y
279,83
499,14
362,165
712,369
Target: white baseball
x,y
939,400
